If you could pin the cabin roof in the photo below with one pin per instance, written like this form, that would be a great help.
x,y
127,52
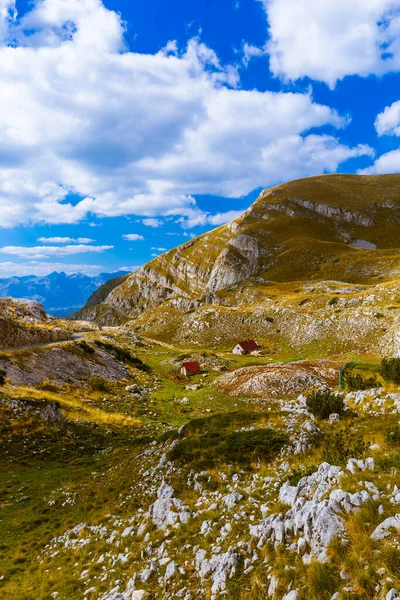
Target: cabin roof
x,y
249,345
191,366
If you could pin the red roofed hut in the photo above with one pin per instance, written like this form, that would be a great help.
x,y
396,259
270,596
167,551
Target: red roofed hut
x,y
246,347
190,368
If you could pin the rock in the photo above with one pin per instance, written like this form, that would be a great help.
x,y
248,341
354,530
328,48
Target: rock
x,y
171,571
52,412
231,499
220,567
334,418
148,573
392,595
384,529
318,521
291,595
168,510
139,595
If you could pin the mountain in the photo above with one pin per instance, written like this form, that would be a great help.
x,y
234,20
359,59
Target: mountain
x,y
300,246
60,294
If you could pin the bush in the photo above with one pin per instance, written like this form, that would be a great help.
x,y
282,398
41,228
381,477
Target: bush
x,y
324,402
2,377
390,369
99,384
123,355
85,347
393,435
47,386
357,382
237,447
333,301
342,445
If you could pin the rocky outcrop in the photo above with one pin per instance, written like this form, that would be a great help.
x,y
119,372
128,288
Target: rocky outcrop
x,y
312,522
279,380
25,323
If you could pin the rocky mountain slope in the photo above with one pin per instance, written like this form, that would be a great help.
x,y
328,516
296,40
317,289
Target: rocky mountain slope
x,y
341,227
308,262
60,294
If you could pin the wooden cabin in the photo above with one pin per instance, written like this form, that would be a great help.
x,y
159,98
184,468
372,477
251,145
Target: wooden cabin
x,y
190,368
246,347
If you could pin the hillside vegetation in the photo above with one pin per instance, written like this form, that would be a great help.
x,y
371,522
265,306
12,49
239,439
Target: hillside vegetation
x,y
273,476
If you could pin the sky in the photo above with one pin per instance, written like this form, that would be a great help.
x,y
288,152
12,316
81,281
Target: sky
x,y
128,127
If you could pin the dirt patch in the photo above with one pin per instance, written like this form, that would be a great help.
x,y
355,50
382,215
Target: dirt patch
x,y
280,380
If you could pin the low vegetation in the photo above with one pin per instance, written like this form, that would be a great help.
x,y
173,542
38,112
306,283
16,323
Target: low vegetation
x,y
390,369
238,447
323,402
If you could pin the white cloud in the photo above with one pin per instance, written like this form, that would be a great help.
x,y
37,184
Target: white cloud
x,y
222,218
329,39
129,268
159,249
11,269
49,251
388,121
133,237
135,134
250,52
151,222
65,240
387,163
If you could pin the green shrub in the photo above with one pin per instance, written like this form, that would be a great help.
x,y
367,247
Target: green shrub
x,y
241,447
2,377
333,301
324,402
390,369
221,422
85,347
123,355
338,447
47,386
358,382
99,384
393,435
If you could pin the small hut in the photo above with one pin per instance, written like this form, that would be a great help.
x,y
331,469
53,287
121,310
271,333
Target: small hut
x,y
246,347
190,368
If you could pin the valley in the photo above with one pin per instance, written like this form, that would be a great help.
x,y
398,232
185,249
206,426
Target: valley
x,y
274,474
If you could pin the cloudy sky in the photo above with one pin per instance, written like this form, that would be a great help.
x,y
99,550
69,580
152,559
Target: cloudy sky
x,y
127,127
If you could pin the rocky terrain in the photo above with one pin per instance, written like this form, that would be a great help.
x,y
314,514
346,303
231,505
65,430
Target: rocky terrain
x,y
275,475
312,266
24,323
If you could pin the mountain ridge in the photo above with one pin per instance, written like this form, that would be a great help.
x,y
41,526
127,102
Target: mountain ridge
x,y
60,294
307,229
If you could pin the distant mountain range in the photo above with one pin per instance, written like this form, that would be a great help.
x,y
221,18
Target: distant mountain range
x,y
60,294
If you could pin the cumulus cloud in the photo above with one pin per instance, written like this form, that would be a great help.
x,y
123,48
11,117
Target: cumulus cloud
x,y
88,127
49,251
65,240
387,163
151,222
12,269
133,237
388,121
327,40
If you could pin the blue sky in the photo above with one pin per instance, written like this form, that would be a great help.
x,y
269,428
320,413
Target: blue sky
x,y
128,127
